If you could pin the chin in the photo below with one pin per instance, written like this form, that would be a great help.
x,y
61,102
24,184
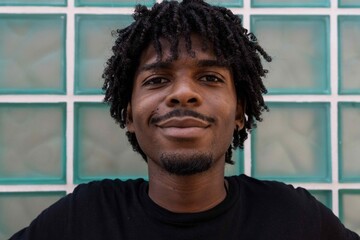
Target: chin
x,y
185,164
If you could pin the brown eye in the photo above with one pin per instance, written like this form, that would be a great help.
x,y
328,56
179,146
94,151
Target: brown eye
x,y
155,81
211,79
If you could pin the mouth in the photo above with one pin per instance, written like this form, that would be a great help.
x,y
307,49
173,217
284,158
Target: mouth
x,y
183,122
183,128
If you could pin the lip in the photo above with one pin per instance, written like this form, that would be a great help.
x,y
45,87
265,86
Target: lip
x,y
183,128
183,122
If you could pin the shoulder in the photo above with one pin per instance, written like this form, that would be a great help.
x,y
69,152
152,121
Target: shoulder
x,y
83,209
95,196
292,207
102,194
272,198
107,186
272,189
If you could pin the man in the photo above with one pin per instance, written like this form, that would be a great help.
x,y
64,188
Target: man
x,y
186,81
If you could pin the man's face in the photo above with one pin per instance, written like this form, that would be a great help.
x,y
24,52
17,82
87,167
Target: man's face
x,y
183,112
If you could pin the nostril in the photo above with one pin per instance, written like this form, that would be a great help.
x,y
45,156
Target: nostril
x,y
192,100
174,101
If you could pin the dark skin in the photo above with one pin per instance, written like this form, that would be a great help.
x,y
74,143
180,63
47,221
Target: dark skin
x,y
199,84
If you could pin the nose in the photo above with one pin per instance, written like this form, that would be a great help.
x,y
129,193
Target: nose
x,y
184,93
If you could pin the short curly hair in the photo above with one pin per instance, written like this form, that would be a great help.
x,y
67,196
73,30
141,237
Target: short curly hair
x,y
171,20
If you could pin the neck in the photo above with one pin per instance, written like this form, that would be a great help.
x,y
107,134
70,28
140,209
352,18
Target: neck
x,y
187,194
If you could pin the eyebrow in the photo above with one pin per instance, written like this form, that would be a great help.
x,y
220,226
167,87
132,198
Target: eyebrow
x,y
168,65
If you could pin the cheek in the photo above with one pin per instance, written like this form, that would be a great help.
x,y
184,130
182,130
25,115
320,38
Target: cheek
x,y
226,119
142,110
227,111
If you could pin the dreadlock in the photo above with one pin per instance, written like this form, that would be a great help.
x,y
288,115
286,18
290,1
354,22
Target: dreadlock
x,y
171,20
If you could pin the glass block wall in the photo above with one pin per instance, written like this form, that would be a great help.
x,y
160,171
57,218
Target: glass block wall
x,y
55,133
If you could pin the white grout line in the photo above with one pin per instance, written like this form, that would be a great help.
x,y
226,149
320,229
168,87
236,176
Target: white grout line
x,y
334,109
247,156
68,188
99,98
32,188
50,98
70,66
247,145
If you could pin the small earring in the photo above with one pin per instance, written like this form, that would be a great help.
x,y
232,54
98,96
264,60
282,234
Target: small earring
x,y
122,115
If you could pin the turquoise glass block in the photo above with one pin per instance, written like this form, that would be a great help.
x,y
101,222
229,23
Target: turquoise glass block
x,y
226,3
293,143
112,3
32,143
299,46
33,3
323,196
349,3
101,147
20,208
238,167
349,142
349,54
349,209
93,47
290,3
32,54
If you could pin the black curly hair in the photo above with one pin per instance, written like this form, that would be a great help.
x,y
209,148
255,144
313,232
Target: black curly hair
x,y
171,20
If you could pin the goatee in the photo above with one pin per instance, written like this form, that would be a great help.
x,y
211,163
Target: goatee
x,y
185,165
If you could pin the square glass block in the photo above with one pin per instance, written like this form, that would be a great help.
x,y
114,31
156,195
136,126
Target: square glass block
x,y
293,143
32,143
323,196
226,3
32,54
101,147
113,3
349,3
349,142
349,54
299,46
349,209
290,3
20,208
238,167
93,48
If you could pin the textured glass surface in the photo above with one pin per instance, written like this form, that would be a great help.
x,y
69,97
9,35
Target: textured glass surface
x,y
32,143
350,209
101,147
113,3
93,48
238,167
349,54
349,142
33,3
299,46
349,3
293,143
227,3
290,3
323,196
19,209
32,53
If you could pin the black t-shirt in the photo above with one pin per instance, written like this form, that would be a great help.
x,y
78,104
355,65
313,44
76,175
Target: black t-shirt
x,y
252,210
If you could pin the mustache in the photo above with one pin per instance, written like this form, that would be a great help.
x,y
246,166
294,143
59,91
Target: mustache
x,y
182,113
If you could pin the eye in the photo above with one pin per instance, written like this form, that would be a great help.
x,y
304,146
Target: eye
x,y
211,79
155,81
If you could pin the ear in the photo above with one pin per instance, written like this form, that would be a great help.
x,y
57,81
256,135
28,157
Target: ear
x,y
240,114
129,119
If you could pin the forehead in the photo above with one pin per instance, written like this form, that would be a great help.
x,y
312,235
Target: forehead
x,y
151,55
